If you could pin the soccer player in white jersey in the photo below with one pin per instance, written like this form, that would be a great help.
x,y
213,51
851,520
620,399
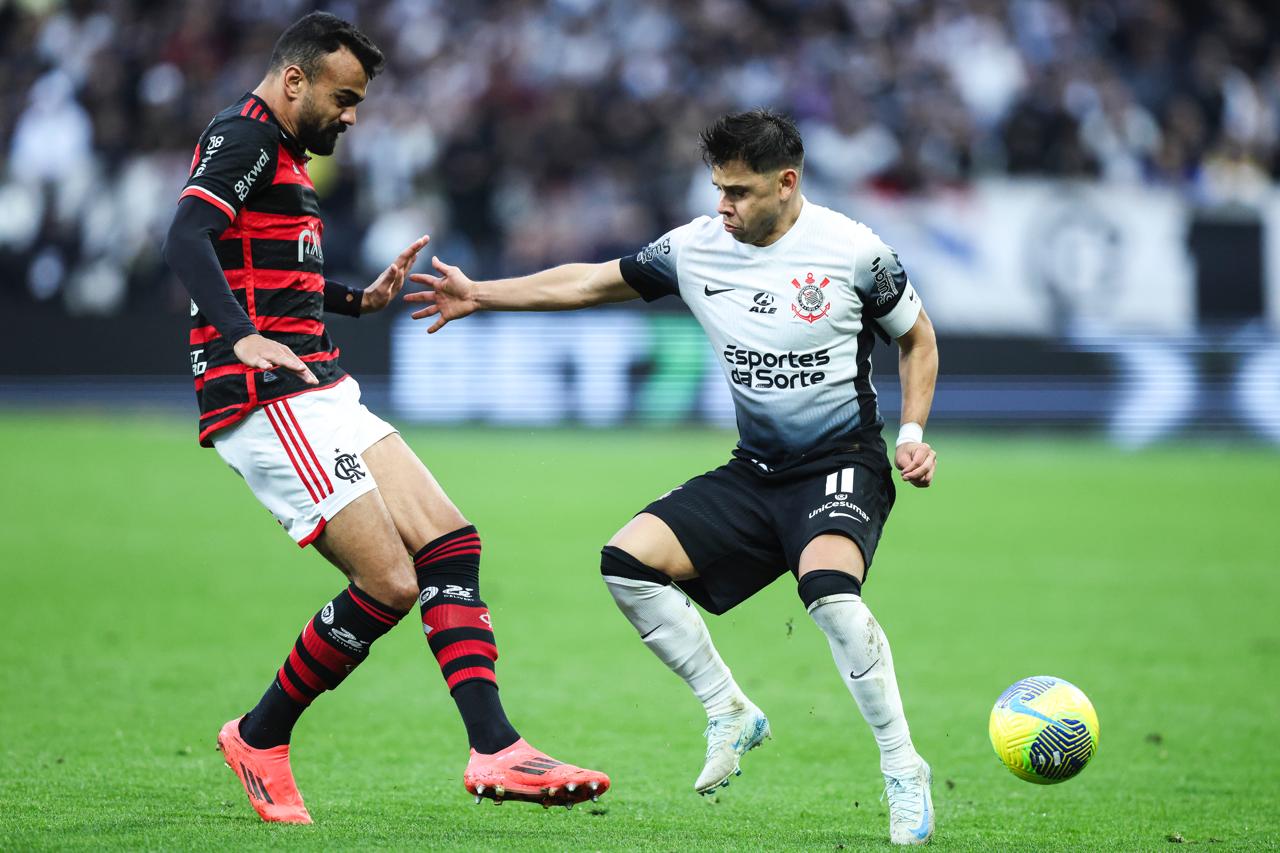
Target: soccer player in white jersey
x,y
791,295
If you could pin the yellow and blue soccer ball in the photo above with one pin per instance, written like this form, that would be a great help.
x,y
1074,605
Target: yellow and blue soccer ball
x,y
1044,729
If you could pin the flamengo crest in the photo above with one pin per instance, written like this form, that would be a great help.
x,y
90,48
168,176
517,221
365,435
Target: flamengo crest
x,y
811,303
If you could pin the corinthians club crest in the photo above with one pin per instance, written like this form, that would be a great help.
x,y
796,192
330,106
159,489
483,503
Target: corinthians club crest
x,y
811,302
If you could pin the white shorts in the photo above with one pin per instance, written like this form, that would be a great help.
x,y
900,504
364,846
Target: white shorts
x,y
301,455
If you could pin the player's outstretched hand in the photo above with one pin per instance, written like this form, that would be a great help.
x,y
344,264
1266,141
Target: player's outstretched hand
x,y
263,354
917,462
379,294
451,297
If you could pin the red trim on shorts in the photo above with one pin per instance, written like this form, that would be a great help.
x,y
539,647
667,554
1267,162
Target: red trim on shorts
x,y
289,450
281,415
311,537
289,411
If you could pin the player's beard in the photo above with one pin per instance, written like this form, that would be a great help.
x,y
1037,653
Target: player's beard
x,y
315,134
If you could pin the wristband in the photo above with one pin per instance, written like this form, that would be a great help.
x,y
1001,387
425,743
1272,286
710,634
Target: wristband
x,y
910,433
340,299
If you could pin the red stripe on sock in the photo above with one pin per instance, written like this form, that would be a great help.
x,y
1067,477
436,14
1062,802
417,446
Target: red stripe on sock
x,y
309,677
294,693
444,616
375,613
437,553
460,552
468,539
468,674
327,655
453,651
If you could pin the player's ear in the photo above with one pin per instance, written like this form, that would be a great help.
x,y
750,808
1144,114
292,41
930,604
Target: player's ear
x,y
788,180
293,79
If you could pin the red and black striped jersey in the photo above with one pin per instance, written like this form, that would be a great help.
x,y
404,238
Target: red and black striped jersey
x,y
251,169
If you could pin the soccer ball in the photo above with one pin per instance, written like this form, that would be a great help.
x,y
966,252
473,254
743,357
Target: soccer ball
x,y
1044,729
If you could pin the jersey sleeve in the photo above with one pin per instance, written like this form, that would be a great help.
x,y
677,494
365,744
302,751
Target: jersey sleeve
x,y
887,295
235,157
651,272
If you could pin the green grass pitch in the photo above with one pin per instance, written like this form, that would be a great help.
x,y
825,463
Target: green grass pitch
x,y
147,598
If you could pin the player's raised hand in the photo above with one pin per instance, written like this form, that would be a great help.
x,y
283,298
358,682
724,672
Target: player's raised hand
x,y
385,288
451,297
264,354
917,462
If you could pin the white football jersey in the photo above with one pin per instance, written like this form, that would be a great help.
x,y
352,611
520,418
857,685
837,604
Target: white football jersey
x,y
791,323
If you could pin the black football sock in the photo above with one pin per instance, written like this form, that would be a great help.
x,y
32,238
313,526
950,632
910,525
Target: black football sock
x,y
460,634
331,645
488,728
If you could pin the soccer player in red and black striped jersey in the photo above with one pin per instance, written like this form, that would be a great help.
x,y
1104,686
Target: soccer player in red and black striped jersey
x,y
246,242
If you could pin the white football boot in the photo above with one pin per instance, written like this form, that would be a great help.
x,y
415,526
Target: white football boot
x,y
729,737
911,806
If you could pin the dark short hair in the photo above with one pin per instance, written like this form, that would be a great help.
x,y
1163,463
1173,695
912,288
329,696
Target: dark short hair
x,y
313,37
764,140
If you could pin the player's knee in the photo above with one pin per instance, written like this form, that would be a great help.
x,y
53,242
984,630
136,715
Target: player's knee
x,y
617,563
395,587
825,584
401,594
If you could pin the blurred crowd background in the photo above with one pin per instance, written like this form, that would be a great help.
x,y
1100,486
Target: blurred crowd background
x,y
1083,191
522,133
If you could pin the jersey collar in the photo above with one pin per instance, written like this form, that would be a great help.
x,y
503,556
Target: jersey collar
x,y
296,148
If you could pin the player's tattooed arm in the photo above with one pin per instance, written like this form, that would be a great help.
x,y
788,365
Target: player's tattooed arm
x,y
453,295
918,371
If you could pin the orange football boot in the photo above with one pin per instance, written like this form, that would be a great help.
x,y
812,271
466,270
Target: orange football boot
x,y
521,772
265,775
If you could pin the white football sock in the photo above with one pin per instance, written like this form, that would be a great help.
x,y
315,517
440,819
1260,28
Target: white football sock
x,y
860,649
671,627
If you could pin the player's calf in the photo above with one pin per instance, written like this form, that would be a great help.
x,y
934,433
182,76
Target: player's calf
x,y
459,630
861,652
332,644
674,631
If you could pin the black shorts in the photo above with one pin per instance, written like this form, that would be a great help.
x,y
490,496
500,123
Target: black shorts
x,y
743,527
